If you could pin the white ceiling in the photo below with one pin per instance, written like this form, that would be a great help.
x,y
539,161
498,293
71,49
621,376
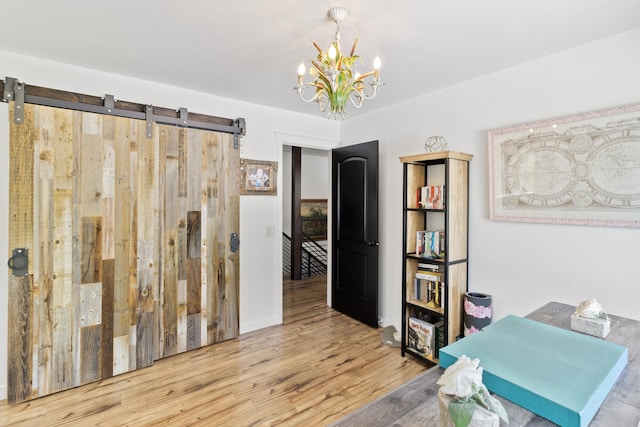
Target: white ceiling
x,y
249,50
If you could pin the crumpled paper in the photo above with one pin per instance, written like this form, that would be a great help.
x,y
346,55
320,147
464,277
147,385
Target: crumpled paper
x,y
590,309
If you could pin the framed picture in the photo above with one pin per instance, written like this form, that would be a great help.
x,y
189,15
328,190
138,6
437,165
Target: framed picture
x,y
582,169
314,218
258,177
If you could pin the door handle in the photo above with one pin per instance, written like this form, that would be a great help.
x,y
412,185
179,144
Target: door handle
x,y
19,262
373,243
234,242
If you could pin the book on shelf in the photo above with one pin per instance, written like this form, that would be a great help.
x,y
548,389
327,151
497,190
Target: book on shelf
x,y
430,243
421,336
429,275
442,241
430,197
420,241
428,292
439,339
428,267
423,291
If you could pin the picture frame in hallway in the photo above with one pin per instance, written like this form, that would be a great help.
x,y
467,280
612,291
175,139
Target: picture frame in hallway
x,y
258,177
582,169
314,214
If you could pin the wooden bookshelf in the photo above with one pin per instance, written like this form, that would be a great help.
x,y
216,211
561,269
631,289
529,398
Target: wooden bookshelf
x,y
449,172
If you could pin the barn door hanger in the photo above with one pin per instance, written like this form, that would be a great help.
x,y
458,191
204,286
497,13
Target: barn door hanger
x,y
14,91
17,92
242,126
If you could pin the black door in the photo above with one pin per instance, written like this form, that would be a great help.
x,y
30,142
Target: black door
x,y
355,232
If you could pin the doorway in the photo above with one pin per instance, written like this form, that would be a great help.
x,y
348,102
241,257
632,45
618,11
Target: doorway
x,y
305,187
320,152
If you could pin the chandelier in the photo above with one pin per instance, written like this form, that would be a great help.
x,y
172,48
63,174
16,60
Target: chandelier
x,y
334,81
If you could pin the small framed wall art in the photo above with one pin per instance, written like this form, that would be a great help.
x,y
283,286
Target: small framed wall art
x,y
314,218
258,177
582,169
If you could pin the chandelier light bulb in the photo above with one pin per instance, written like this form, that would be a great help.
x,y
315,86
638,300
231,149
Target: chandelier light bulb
x,y
332,52
301,69
377,63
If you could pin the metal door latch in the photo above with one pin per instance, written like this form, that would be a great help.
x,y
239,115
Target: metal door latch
x,y
19,262
234,242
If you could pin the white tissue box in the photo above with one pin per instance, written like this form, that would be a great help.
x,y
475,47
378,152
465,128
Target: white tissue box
x,y
596,327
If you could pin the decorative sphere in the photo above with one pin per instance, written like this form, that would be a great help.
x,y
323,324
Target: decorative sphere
x,y
435,143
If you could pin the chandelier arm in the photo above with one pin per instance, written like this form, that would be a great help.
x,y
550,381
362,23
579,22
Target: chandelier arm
x,y
300,90
375,87
359,97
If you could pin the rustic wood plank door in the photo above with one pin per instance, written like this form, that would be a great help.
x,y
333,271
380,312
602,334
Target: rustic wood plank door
x,y
128,242
198,294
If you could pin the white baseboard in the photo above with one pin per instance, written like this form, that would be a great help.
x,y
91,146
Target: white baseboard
x,y
262,323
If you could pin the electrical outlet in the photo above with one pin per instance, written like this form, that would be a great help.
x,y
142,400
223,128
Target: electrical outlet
x,y
268,231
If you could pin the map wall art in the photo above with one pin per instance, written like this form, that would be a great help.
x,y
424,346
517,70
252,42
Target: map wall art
x,y
582,169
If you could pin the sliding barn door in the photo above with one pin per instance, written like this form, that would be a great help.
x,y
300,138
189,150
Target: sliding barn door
x,y
128,244
198,298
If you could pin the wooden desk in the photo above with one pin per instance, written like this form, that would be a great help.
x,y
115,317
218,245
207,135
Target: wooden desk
x,y
415,403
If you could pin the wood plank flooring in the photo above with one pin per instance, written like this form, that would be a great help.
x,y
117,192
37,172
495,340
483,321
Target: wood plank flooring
x,y
316,367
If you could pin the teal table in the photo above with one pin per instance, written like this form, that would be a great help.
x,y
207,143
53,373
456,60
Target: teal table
x,y
561,375
415,403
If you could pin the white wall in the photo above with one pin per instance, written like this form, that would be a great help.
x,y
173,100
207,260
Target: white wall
x,y
521,265
260,279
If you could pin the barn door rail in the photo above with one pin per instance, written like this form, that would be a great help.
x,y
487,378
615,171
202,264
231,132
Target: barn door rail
x,y
14,90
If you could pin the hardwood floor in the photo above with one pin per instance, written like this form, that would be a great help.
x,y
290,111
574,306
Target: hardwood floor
x,y
316,367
